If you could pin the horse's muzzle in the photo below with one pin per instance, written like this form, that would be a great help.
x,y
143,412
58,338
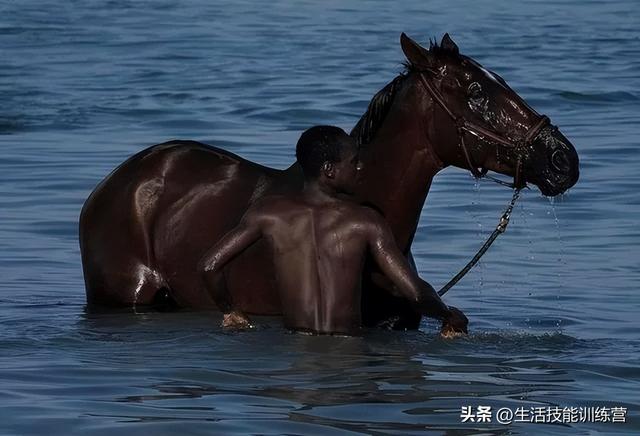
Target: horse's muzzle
x,y
558,169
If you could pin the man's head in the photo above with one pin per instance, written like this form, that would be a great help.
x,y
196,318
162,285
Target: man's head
x,y
329,154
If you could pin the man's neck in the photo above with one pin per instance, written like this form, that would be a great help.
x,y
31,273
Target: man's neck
x,y
318,191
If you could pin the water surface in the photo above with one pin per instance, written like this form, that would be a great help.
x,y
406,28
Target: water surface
x,y
553,305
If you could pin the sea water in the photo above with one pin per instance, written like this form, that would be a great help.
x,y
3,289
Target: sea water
x,y
553,310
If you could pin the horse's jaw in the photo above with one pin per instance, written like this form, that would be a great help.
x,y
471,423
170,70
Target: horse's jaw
x,y
552,190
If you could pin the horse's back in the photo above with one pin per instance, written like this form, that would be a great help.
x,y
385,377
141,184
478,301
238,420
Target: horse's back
x,y
146,223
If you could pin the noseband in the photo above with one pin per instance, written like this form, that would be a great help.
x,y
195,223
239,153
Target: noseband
x,y
463,126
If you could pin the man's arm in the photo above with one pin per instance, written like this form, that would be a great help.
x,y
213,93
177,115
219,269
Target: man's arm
x,y
406,282
231,245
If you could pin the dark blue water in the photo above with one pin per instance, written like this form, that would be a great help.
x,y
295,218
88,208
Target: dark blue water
x,y
553,306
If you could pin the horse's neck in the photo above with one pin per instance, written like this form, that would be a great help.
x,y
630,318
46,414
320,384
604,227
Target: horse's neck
x,y
400,163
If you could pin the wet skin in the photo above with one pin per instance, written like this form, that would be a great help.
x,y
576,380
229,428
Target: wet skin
x,y
145,227
319,243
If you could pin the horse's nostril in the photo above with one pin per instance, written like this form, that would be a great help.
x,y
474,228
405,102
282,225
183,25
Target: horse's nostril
x,y
559,161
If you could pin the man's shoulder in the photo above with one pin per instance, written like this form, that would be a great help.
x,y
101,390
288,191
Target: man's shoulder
x,y
359,207
280,204
274,205
362,213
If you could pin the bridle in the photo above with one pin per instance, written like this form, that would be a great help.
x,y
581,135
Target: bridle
x,y
463,126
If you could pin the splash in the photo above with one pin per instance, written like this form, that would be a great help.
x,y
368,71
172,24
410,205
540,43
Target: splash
x,y
524,213
561,259
476,217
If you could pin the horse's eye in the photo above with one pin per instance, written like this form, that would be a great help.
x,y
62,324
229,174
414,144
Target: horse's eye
x,y
477,100
474,90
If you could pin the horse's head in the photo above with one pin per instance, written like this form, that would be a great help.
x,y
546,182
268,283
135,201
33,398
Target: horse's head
x,y
496,128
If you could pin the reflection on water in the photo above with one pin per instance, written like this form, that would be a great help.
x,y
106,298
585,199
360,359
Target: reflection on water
x,y
151,371
553,306
182,367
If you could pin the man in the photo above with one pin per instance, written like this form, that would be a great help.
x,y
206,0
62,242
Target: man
x,y
319,243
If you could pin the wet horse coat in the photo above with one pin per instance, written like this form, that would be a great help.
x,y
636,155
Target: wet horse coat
x,y
145,227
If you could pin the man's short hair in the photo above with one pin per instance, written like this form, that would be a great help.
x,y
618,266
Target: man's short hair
x,y
318,145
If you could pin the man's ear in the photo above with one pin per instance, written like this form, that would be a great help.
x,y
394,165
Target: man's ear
x,y
328,169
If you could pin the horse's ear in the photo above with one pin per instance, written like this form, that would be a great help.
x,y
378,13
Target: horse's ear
x,y
417,55
448,44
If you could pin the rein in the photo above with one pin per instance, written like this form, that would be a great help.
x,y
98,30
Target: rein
x,y
464,126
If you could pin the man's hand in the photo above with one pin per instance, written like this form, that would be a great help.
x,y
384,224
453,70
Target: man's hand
x,y
455,324
236,320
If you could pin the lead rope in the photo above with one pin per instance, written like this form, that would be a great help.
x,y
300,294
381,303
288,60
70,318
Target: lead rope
x,y
500,228
518,182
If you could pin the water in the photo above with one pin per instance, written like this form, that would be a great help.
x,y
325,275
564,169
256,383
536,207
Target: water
x,y
553,306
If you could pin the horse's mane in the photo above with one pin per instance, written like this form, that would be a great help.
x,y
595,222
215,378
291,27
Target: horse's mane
x,y
376,112
379,105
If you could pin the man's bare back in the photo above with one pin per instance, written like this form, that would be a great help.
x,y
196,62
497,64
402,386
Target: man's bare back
x,y
319,248
319,243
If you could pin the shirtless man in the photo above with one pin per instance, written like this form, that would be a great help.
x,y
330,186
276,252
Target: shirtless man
x,y
319,243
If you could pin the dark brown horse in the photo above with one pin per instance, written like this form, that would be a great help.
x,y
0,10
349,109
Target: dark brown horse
x,y
146,226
